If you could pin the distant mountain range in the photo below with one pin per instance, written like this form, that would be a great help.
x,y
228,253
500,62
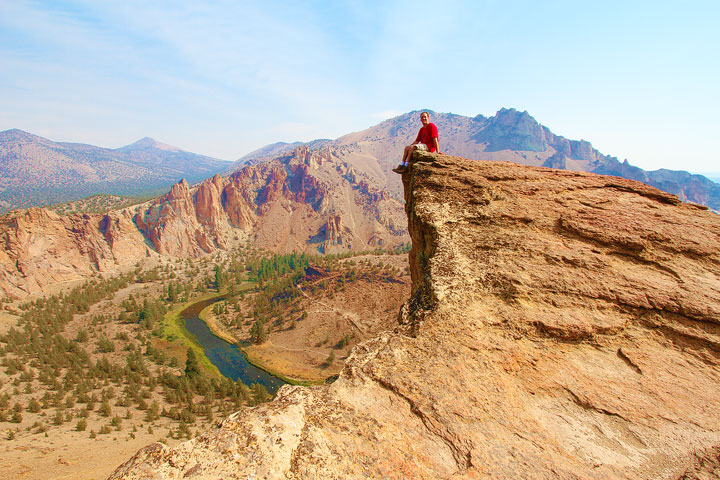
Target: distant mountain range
x,y
37,171
328,196
509,135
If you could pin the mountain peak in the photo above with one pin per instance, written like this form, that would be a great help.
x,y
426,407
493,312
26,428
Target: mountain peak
x,y
17,134
512,115
146,143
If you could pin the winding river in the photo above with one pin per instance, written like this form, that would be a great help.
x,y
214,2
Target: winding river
x,y
228,358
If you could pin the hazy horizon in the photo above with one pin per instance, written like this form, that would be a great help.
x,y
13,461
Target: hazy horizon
x,y
712,175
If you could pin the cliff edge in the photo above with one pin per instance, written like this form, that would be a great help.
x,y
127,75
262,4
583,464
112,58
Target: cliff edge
x,y
563,325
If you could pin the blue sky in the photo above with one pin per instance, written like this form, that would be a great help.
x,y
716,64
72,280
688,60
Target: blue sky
x,y
638,79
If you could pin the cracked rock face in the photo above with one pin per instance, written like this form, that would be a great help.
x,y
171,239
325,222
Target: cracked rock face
x,y
562,325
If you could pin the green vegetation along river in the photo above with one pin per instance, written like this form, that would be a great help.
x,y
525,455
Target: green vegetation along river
x,y
228,358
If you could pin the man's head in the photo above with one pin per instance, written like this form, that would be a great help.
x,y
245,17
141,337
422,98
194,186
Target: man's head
x,y
425,118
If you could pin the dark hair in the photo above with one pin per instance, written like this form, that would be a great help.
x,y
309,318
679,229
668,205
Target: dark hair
x,y
426,113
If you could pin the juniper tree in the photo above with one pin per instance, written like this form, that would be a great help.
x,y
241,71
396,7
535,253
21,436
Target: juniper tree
x,y
330,359
192,367
257,332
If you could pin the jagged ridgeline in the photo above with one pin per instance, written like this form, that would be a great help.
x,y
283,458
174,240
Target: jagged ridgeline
x,y
36,171
304,201
325,196
509,135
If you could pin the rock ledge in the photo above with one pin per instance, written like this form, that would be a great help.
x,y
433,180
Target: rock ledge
x,y
563,325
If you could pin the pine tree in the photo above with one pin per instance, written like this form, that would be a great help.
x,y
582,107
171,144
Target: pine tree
x,y
172,292
259,393
219,278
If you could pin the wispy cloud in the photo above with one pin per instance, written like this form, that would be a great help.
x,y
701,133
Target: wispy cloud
x,y
224,77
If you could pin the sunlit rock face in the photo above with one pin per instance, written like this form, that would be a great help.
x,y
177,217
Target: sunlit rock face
x,y
562,325
40,249
302,201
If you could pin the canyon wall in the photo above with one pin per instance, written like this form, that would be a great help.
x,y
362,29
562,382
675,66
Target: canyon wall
x,y
42,251
303,201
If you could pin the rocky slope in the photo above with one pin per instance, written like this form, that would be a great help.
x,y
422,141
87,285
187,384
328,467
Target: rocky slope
x,y
509,135
36,171
303,201
563,325
41,250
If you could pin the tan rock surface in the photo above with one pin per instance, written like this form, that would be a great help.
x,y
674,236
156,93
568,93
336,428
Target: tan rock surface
x,y
40,249
563,325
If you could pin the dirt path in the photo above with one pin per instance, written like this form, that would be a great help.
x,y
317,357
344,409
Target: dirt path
x,y
312,351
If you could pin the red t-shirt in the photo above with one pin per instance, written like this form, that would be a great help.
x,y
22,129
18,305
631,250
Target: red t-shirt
x,y
426,136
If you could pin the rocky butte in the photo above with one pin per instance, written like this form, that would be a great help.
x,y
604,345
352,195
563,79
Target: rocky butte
x,y
563,325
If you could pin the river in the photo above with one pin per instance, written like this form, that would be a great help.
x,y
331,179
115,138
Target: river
x,y
228,358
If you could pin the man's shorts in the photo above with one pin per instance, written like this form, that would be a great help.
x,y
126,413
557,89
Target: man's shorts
x,y
421,146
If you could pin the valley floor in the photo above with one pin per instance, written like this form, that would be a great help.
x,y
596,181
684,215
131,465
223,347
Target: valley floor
x,y
81,422
69,455
336,317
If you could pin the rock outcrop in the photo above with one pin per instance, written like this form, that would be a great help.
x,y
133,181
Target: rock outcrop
x,y
40,249
299,202
303,201
563,325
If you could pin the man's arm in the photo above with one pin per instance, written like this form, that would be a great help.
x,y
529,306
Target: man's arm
x,y
437,145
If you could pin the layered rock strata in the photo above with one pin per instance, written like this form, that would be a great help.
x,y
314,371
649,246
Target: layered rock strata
x,y
303,201
563,325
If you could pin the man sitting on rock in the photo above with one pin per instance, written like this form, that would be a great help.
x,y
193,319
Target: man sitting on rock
x,y
427,141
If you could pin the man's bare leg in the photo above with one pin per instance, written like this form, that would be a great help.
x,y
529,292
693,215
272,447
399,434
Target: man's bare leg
x,y
407,154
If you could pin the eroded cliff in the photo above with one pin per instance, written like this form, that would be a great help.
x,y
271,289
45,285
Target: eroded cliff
x,y
562,325
40,249
303,201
